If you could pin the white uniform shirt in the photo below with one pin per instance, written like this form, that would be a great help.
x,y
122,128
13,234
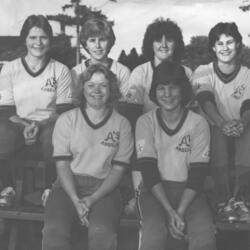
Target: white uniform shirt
x,y
140,83
229,95
35,95
176,149
92,149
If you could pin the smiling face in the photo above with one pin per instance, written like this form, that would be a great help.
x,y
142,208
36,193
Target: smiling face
x,y
163,49
97,91
97,47
37,42
168,96
225,49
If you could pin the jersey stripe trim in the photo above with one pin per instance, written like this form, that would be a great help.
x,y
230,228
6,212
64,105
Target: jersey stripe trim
x,y
120,163
90,123
30,72
205,96
63,158
226,78
245,106
165,127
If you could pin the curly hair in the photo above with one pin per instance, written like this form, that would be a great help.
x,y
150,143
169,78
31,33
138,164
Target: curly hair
x,y
39,21
97,27
229,29
113,82
156,30
169,72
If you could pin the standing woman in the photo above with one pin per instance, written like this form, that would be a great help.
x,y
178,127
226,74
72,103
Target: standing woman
x,y
97,38
172,145
163,41
223,91
92,148
37,86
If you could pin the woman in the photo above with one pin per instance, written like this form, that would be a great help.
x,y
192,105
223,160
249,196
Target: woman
x,y
92,149
97,38
162,41
172,145
36,85
223,92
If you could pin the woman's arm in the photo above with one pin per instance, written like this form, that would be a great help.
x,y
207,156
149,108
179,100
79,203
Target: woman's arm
x,y
109,184
66,179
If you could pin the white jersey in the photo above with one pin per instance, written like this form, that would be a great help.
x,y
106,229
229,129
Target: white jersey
x,y
92,149
140,83
35,95
122,73
229,93
175,149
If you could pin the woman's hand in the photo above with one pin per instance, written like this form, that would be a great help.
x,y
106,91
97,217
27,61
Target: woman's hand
x,y
176,225
30,133
82,211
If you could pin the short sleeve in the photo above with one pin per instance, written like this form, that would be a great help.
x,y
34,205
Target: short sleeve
x,y
6,86
144,136
61,138
201,142
135,93
123,78
126,144
201,80
64,87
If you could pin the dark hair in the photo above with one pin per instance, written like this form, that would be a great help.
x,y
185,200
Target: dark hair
x,y
113,82
229,29
39,21
169,72
97,27
156,30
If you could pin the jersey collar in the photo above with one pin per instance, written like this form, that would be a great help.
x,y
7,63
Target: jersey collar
x,y
166,129
90,123
30,72
110,61
226,78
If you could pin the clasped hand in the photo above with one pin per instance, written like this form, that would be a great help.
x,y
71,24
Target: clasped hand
x,y
233,128
176,225
30,133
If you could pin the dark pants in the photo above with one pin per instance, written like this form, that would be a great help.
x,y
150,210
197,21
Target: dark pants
x,y
154,232
61,215
12,143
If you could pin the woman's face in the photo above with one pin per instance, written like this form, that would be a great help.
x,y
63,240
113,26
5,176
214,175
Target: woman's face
x,y
163,49
97,91
225,49
97,47
37,42
168,96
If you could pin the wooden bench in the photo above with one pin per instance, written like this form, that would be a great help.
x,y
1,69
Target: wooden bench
x,y
36,214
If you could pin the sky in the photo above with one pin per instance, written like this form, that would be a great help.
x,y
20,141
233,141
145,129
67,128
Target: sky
x,y
131,17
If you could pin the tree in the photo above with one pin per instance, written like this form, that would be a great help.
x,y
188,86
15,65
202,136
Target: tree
x,y
81,14
197,52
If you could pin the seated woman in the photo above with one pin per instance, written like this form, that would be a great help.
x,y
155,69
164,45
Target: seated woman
x,y
172,145
222,89
36,85
97,38
92,148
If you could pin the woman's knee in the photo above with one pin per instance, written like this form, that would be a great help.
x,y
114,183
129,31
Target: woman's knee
x,y
101,237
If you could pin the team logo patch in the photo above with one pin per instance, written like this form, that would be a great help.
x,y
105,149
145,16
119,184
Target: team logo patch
x,y
239,92
50,85
206,154
140,146
184,144
112,139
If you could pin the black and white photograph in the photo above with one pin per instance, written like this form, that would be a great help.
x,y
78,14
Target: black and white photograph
x,y
124,125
